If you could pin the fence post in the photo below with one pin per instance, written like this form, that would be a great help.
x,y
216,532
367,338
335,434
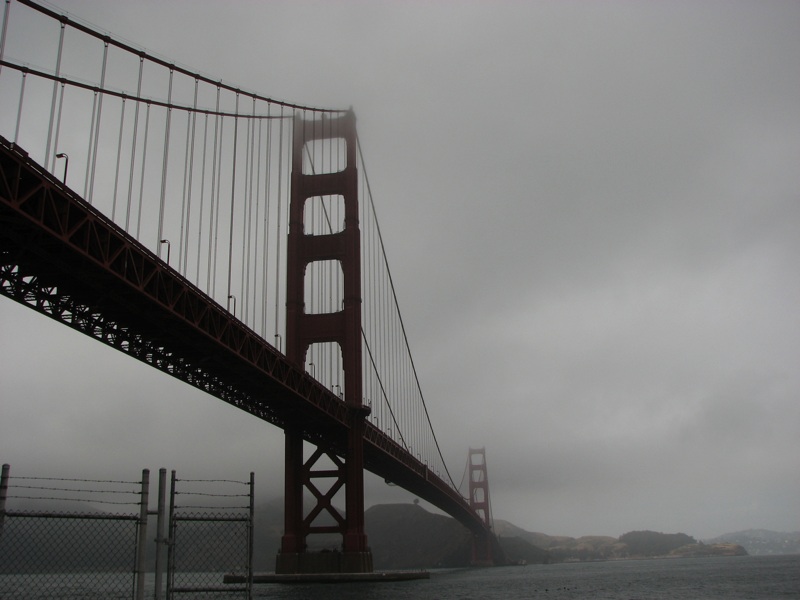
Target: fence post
x,y
250,537
142,542
160,539
171,538
3,494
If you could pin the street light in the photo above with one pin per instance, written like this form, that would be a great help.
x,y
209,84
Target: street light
x,y
234,304
169,248
66,164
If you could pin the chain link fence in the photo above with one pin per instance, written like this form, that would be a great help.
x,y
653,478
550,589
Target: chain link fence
x,y
211,534
83,538
81,549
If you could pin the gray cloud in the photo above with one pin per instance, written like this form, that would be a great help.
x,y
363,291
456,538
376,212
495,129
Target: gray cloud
x,y
592,213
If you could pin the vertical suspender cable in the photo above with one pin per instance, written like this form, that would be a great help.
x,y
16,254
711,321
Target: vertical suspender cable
x,y
394,369
144,164
310,268
202,200
89,148
211,259
335,293
119,157
19,108
326,275
278,225
164,165
372,287
58,119
247,238
133,142
217,205
99,99
182,228
257,227
252,207
247,183
186,215
245,190
387,357
4,31
255,211
265,252
368,287
233,197
49,158
335,301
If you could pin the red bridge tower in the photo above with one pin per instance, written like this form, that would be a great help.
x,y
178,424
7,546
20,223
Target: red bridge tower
x,y
482,554
343,327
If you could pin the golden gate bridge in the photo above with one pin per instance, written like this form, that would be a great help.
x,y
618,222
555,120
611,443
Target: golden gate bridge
x,y
231,241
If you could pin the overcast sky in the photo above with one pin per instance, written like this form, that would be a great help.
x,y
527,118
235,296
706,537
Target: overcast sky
x,y
592,215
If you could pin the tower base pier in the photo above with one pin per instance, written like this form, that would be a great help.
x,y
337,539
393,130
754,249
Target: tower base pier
x,y
308,563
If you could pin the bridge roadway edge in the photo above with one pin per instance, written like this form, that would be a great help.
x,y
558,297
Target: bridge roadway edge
x,y
111,288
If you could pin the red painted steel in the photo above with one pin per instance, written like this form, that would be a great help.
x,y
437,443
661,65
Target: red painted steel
x,y
342,327
479,502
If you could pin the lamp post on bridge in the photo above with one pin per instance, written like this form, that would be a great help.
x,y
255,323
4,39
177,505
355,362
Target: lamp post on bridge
x,y
65,156
169,248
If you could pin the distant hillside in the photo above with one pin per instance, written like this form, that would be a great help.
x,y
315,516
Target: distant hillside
x,y
406,536
650,543
635,544
762,541
504,529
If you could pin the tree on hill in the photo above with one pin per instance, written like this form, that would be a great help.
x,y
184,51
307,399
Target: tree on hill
x,y
652,543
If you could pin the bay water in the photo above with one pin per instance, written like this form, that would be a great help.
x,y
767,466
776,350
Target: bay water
x,y
719,578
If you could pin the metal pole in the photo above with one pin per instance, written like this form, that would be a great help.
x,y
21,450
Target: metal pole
x,y
140,550
169,248
160,540
19,110
250,537
65,156
4,492
4,30
171,546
